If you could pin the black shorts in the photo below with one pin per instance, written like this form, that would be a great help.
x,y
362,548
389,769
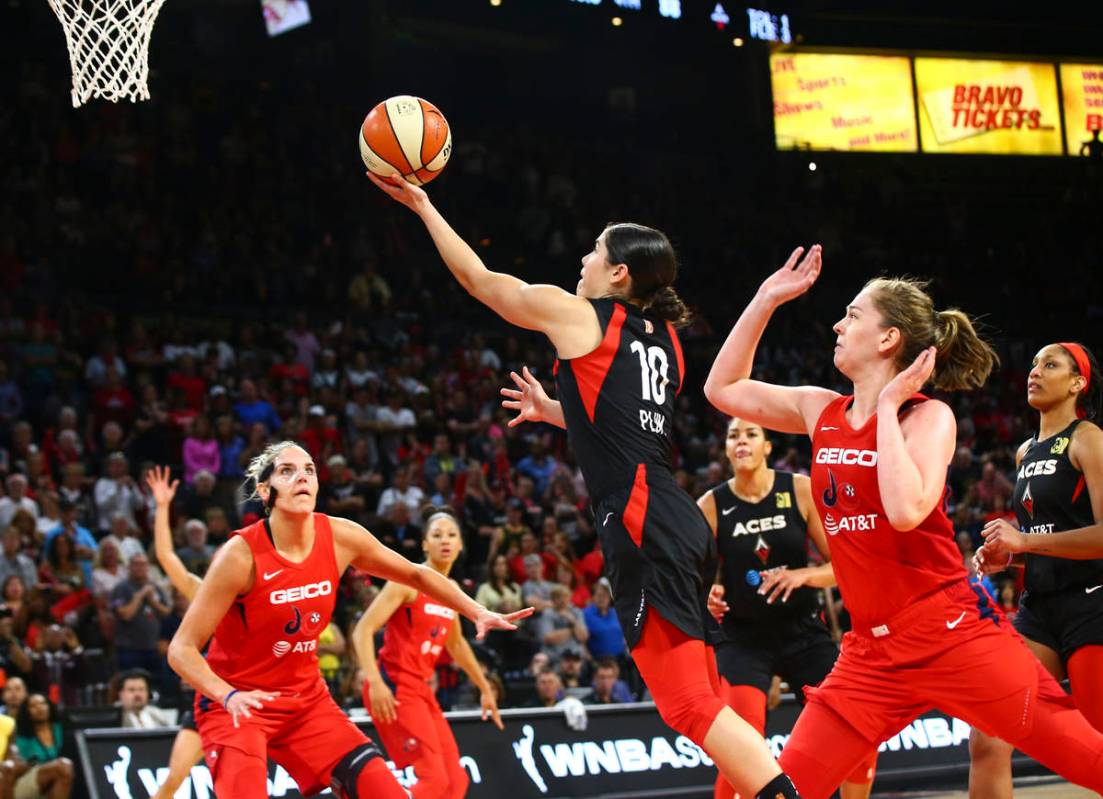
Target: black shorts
x,y
1065,622
801,652
671,567
187,721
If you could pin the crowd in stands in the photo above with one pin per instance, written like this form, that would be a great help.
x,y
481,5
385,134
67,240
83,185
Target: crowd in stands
x,y
227,303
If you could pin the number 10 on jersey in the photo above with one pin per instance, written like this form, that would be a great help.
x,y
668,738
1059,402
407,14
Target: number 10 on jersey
x,y
653,371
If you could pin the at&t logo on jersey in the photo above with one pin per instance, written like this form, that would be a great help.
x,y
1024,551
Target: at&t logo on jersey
x,y
863,522
1038,468
281,596
846,457
281,648
756,526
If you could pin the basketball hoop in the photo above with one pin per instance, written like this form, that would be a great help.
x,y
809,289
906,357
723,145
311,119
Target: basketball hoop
x,y
108,43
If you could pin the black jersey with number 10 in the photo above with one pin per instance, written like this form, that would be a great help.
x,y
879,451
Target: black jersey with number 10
x,y
618,401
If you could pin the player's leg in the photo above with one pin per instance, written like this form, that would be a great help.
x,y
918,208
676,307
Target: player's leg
x,y
413,739
321,748
680,672
458,780
745,673
1085,670
990,757
239,773
187,751
822,750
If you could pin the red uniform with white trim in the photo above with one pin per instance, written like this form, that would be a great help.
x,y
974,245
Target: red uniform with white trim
x,y
923,636
420,736
268,640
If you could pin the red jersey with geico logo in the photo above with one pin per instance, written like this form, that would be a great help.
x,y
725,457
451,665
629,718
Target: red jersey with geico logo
x,y
269,637
413,639
880,569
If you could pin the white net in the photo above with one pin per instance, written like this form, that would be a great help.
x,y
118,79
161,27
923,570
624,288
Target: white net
x,y
108,43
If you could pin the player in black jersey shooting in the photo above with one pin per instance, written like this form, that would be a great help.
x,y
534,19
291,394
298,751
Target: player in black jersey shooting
x,y
766,600
1059,488
619,371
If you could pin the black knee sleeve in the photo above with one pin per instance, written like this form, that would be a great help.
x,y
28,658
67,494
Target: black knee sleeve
x,y
346,774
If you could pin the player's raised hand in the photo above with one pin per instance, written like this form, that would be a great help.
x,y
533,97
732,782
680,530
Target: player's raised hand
x,y
489,704
910,380
238,703
529,398
716,604
413,197
793,278
488,620
157,479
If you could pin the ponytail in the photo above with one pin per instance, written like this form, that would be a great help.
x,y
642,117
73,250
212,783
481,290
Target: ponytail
x,y
668,306
963,359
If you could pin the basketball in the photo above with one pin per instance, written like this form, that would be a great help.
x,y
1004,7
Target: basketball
x,y
407,136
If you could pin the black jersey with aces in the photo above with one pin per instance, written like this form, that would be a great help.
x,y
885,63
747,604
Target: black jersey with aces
x,y
755,536
618,401
1050,496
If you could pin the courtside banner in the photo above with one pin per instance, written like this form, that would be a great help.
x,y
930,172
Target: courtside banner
x,y
981,106
843,102
1082,92
625,751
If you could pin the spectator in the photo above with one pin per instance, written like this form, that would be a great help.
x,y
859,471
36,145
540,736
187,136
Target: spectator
x,y
124,536
536,591
201,449
570,670
609,689
16,498
49,513
440,460
394,420
606,638
14,695
60,569
230,447
199,497
251,409
549,690
398,532
331,648
57,665
74,490
135,693
116,492
540,466
139,606
39,738
197,553
13,563
81,537
306,343
107,569
531,546
99,365
499,593
185,382
580,592
320,438
14,657
560,628
341,495
402,491
13,593
508,537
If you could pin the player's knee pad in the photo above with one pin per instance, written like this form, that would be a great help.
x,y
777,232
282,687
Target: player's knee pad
x,y
691,714
362,773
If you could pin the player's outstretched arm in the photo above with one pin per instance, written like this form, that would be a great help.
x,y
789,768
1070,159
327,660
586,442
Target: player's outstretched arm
x,y
565,318
531,402
231,574
729,387
356,546
460,651
163,492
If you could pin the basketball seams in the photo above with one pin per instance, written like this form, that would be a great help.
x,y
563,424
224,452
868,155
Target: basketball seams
x,y
399,145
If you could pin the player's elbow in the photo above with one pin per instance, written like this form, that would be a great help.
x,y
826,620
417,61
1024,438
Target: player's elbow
x,y
176,655
905,519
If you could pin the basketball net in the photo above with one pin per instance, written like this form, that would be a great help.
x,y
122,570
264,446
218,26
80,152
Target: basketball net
x,y
108,43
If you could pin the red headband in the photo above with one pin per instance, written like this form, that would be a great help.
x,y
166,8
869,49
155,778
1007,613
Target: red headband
x,y
1083,365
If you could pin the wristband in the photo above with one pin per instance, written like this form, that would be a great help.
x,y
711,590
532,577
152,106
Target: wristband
x,y
226,701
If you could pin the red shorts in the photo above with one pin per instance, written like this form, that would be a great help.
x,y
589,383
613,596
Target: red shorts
x,y
420,729
305,733
953,651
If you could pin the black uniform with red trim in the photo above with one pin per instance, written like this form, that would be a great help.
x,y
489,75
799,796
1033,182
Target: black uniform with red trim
x,y
618,403
1062,606
760,639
